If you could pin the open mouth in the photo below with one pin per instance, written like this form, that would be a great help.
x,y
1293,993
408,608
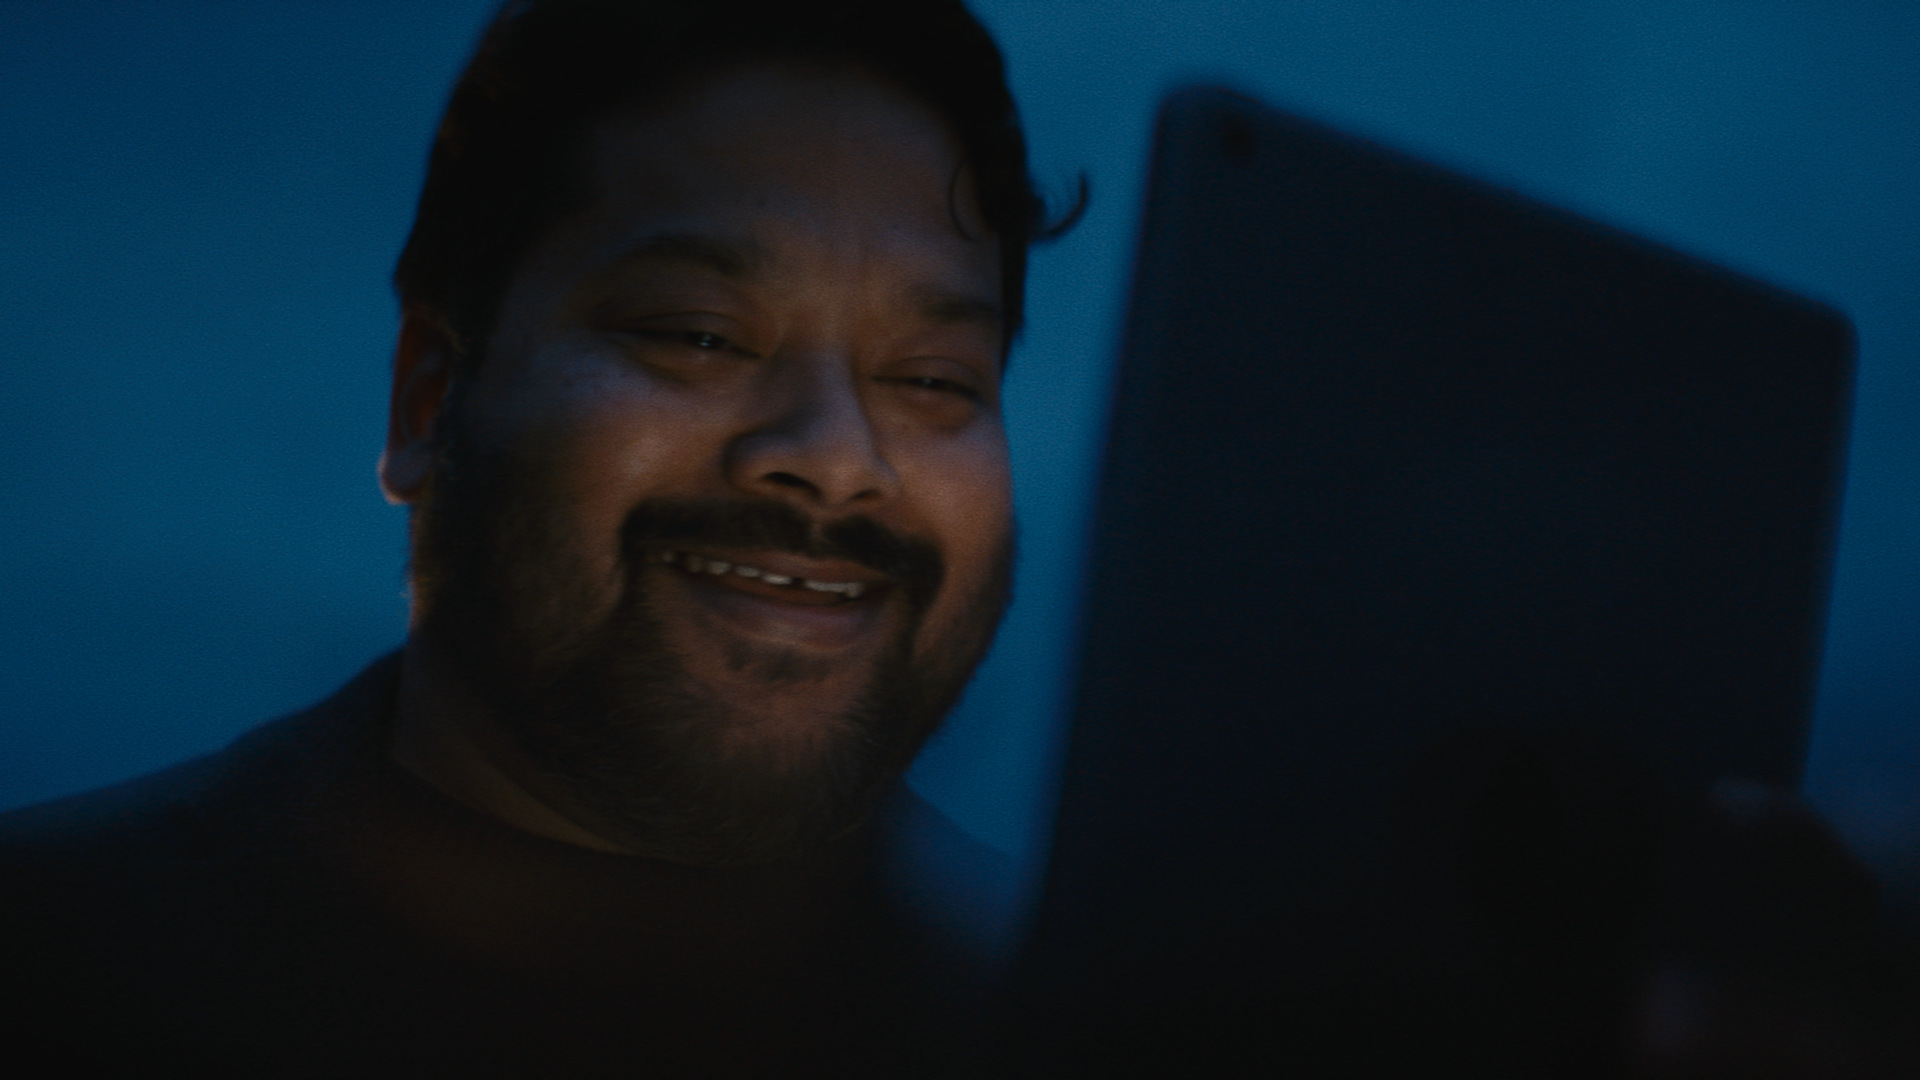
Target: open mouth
x,y
776,583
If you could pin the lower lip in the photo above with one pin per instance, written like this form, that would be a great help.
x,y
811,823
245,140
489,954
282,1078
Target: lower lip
x,y
817,627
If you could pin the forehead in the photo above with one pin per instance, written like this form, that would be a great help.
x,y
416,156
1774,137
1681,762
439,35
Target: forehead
x,y
770,160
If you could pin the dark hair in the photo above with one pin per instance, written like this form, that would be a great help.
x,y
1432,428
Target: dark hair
x,y
505,162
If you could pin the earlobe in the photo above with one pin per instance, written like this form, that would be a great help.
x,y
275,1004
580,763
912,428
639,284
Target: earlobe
x,y
422,375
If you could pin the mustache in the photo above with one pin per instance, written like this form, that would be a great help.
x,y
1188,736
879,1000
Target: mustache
x,y
765,524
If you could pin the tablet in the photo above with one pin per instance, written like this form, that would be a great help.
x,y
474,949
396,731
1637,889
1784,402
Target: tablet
x,y
1442,538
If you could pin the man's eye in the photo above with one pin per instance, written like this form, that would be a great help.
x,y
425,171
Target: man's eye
x,y
697,339
939,386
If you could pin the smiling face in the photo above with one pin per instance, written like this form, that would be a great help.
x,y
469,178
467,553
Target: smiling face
x,y
723,523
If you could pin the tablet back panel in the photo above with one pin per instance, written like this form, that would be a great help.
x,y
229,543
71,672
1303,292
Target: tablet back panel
x,y
1426,510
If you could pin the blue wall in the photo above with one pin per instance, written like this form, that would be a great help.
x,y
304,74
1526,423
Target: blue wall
x,y
200,203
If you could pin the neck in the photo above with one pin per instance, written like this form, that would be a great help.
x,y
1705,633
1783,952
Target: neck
x,y
440,735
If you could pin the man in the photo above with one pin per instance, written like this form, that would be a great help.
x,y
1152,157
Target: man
x,y
696,406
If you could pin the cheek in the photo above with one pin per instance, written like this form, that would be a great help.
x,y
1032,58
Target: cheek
x,y
968,499
628,450
599,443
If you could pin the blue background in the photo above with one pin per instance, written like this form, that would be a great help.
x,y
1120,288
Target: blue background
x,y
200,203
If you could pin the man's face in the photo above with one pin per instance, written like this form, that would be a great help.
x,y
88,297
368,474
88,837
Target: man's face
x,y
723,523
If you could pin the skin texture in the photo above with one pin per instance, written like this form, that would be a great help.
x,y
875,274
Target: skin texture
x,y
778,311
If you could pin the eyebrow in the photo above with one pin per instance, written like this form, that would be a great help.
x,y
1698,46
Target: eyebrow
x,y
742,259
735,260
959,309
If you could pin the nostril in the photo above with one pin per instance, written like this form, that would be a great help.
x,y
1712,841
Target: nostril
x,y
787,479
814,453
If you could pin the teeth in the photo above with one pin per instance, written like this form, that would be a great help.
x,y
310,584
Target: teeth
x,y
849,589
698,564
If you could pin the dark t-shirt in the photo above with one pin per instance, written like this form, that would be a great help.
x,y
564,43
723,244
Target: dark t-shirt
x,y
299,905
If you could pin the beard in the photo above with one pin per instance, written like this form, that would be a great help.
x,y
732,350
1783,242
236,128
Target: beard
x,y
607,723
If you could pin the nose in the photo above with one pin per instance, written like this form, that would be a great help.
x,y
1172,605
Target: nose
x,y
815,444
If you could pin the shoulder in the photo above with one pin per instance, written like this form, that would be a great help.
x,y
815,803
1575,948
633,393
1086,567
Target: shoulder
x,y
238,797
970,892
124,910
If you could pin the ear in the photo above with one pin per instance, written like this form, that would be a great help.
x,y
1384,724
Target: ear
x,y
422,375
